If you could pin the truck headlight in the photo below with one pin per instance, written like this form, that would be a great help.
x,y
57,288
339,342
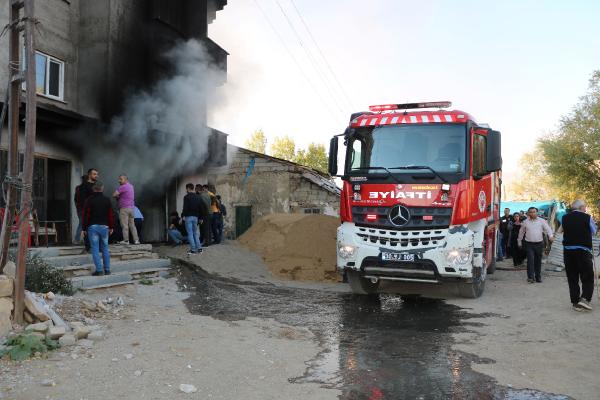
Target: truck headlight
x,y
346,251
456,257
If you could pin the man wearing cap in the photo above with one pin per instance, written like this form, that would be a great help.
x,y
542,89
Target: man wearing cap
x,y
579,228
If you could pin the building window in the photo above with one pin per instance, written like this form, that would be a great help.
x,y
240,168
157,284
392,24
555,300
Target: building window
x,y
312,211
49,76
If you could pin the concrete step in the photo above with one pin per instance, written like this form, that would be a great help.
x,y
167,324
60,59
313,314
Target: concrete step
x,y
115,279
46,252
82,259
119,266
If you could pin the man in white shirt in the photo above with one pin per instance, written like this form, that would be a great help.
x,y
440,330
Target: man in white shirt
x,y
531,236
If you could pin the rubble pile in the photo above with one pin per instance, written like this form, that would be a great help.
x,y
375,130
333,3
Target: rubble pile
x,y
300,247
6,301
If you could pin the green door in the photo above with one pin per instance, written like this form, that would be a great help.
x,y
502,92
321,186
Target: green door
x,y
243,219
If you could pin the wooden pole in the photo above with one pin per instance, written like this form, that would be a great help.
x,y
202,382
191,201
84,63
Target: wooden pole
x,y
27,177
14,94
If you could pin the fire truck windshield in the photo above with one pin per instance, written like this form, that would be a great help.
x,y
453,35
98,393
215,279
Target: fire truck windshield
x,y
440,147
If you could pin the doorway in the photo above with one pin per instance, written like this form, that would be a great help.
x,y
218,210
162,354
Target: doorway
x,y
243,219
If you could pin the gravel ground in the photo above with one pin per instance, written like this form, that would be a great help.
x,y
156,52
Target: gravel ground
x,y
159,346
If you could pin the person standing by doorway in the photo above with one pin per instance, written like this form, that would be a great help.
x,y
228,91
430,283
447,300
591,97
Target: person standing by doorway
x,y
85,192
505,222
79,208
518,254
579,229
138,219
531,237
98,224
126,198
192,205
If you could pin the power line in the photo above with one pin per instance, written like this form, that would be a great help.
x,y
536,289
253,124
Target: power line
x,y
313,87
311,58
342,90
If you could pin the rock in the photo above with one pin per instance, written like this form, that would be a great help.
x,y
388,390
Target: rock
x,y
6,306
114,360
120,301
96,335
10,270
101,307
138,373
55,332
41,327
48,382
75,324
49,296
67,340
86,343
81,332
185,388
128,356
6,286
35,308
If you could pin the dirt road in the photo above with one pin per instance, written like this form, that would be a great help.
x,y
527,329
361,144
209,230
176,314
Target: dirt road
x,y
234,332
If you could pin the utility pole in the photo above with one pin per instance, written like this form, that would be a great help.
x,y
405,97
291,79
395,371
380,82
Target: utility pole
x,y
27,177
15,77
18,75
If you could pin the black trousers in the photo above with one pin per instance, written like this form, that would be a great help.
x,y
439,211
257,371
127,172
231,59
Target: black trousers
x,y
579,266
534,259
205,230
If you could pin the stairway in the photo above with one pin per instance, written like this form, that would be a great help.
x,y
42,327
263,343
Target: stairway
x,y
127,263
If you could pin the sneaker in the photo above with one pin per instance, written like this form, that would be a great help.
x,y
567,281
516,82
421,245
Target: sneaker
x,y
578,308
97,273
106,272
199,251
538,280
189,253
529,280
585,304
138,242
123,242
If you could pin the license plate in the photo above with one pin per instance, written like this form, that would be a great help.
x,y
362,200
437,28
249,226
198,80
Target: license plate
x,y
397,257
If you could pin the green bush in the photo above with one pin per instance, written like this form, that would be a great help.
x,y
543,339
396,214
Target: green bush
x,y
42,277
24,345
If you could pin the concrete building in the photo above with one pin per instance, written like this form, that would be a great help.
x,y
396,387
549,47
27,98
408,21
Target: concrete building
x,y
253,185
91,55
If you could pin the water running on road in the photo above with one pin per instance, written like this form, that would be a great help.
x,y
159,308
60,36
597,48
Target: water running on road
x,y
375,348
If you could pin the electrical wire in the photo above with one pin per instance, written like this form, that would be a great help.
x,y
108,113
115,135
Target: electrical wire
x,y
313,87
311,59
326,62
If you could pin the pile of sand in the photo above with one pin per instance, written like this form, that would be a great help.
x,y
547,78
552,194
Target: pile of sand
x,y
298,247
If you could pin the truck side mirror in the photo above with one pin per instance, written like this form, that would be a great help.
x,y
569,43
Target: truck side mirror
x,y
494,152
333,154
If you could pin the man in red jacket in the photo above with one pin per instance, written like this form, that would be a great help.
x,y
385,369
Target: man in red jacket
x,y
98,224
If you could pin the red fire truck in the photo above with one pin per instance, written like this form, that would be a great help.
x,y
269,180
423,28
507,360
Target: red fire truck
x,y
420,199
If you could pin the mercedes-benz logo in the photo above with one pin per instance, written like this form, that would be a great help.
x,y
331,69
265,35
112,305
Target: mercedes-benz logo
x,y
399,215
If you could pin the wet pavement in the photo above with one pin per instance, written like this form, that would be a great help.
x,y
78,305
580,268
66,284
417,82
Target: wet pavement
x,y
375,347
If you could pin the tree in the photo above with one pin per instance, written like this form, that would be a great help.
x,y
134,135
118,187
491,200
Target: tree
x,y
284,147
532,182
257,142
572,155
315,157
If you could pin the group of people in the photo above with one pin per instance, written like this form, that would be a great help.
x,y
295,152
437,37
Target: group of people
x,y
201,221
525,237
97,217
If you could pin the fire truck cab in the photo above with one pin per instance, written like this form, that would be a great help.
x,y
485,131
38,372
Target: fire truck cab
x,y
420,198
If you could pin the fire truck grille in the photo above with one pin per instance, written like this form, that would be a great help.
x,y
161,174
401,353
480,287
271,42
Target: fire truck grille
x,y
418,270
420,218
400,239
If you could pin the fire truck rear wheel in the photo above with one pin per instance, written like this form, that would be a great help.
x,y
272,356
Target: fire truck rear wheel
x,y
360,285
475,288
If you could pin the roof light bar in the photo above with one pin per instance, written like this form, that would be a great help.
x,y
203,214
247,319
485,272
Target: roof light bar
x,y
408,106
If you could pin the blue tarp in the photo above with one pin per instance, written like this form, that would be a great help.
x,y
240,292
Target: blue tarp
x,y
544,207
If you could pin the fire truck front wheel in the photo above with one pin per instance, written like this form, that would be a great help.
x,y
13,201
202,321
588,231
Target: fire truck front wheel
x,y
360,285
475,287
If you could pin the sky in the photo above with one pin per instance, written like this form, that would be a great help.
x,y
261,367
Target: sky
x,y
517,65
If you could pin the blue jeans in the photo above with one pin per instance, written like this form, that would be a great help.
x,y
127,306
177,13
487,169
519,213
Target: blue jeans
x,y
176,236
191,226
500,246
98,237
